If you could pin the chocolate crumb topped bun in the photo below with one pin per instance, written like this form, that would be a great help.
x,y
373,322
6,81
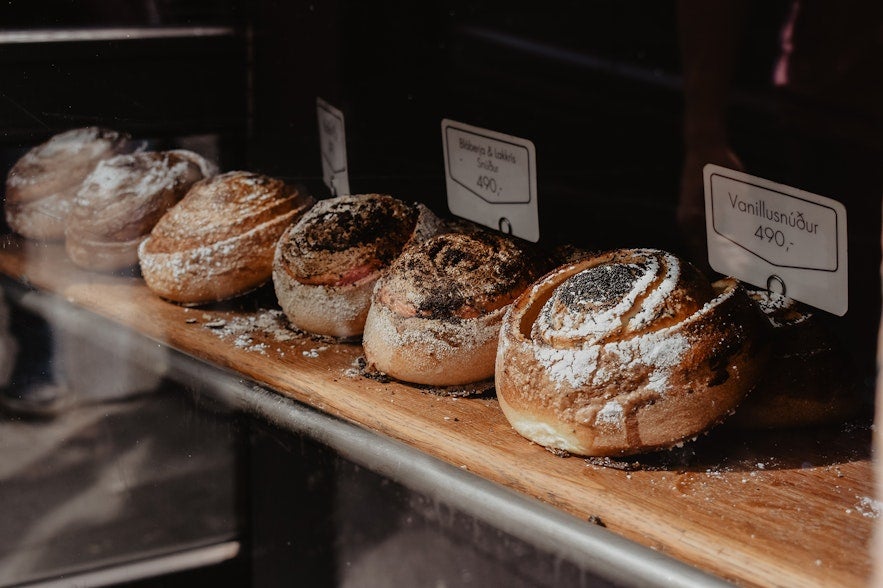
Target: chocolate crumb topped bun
x,y
218,241
435,317
326,265
808,380
41,186
626,352
120,202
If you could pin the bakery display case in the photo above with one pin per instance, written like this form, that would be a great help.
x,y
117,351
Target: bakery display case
x,y
164,423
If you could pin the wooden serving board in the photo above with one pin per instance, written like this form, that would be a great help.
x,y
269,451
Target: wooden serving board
x,y
791,508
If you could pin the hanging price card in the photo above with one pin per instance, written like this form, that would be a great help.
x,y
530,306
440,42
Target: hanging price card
x,y
777,237
332,146
491,179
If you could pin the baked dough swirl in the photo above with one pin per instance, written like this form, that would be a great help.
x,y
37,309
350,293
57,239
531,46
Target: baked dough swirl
x,y
218,241
121,201
41,186
435,317
626,352
326,265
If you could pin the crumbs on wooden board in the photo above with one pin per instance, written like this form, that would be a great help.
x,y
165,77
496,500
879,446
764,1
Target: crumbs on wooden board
x,y
245,330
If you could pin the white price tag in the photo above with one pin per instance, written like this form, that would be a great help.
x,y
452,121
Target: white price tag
x,y
777,237
332,146
491,179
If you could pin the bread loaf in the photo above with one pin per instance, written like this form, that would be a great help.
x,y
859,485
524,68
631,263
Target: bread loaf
x,y
218,241
326,265
435,317
626,352
41,186
120,202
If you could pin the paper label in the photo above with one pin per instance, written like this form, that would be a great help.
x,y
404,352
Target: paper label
x,y
332,146
491,179
777,237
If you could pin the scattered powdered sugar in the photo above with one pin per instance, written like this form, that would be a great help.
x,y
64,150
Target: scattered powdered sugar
x,y
246,342
610,414
661,350
574,366
243,330
356,369
344,303
780,310
204,261
71,153
578,366
868,507
314,352
438,338
138,174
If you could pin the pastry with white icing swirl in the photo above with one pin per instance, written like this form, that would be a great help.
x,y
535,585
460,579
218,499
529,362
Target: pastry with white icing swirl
x,y
326,264
435,317
218,241
626,352
121,201
42,185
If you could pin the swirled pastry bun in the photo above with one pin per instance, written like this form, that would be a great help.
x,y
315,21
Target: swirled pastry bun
x,y
41,186
120,202
218,241
326,265
809,380
626,352
435,317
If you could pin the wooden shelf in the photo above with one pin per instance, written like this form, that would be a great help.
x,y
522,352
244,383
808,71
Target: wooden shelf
x,y
783,508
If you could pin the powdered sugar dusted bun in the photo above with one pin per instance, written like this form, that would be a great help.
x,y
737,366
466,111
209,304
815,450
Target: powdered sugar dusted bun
x,y
435,317
626,352
326,265
41,186
218,241
809,380
120,202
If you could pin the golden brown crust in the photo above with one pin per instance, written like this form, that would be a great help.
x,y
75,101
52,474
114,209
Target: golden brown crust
x,y
326,265
218,241
41,186
435,317
625,352
120,202
809,380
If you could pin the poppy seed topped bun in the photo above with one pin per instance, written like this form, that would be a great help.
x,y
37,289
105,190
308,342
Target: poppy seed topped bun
x,y
326,265
626,352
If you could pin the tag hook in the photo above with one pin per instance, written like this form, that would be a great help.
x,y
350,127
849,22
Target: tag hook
x,y
774,279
